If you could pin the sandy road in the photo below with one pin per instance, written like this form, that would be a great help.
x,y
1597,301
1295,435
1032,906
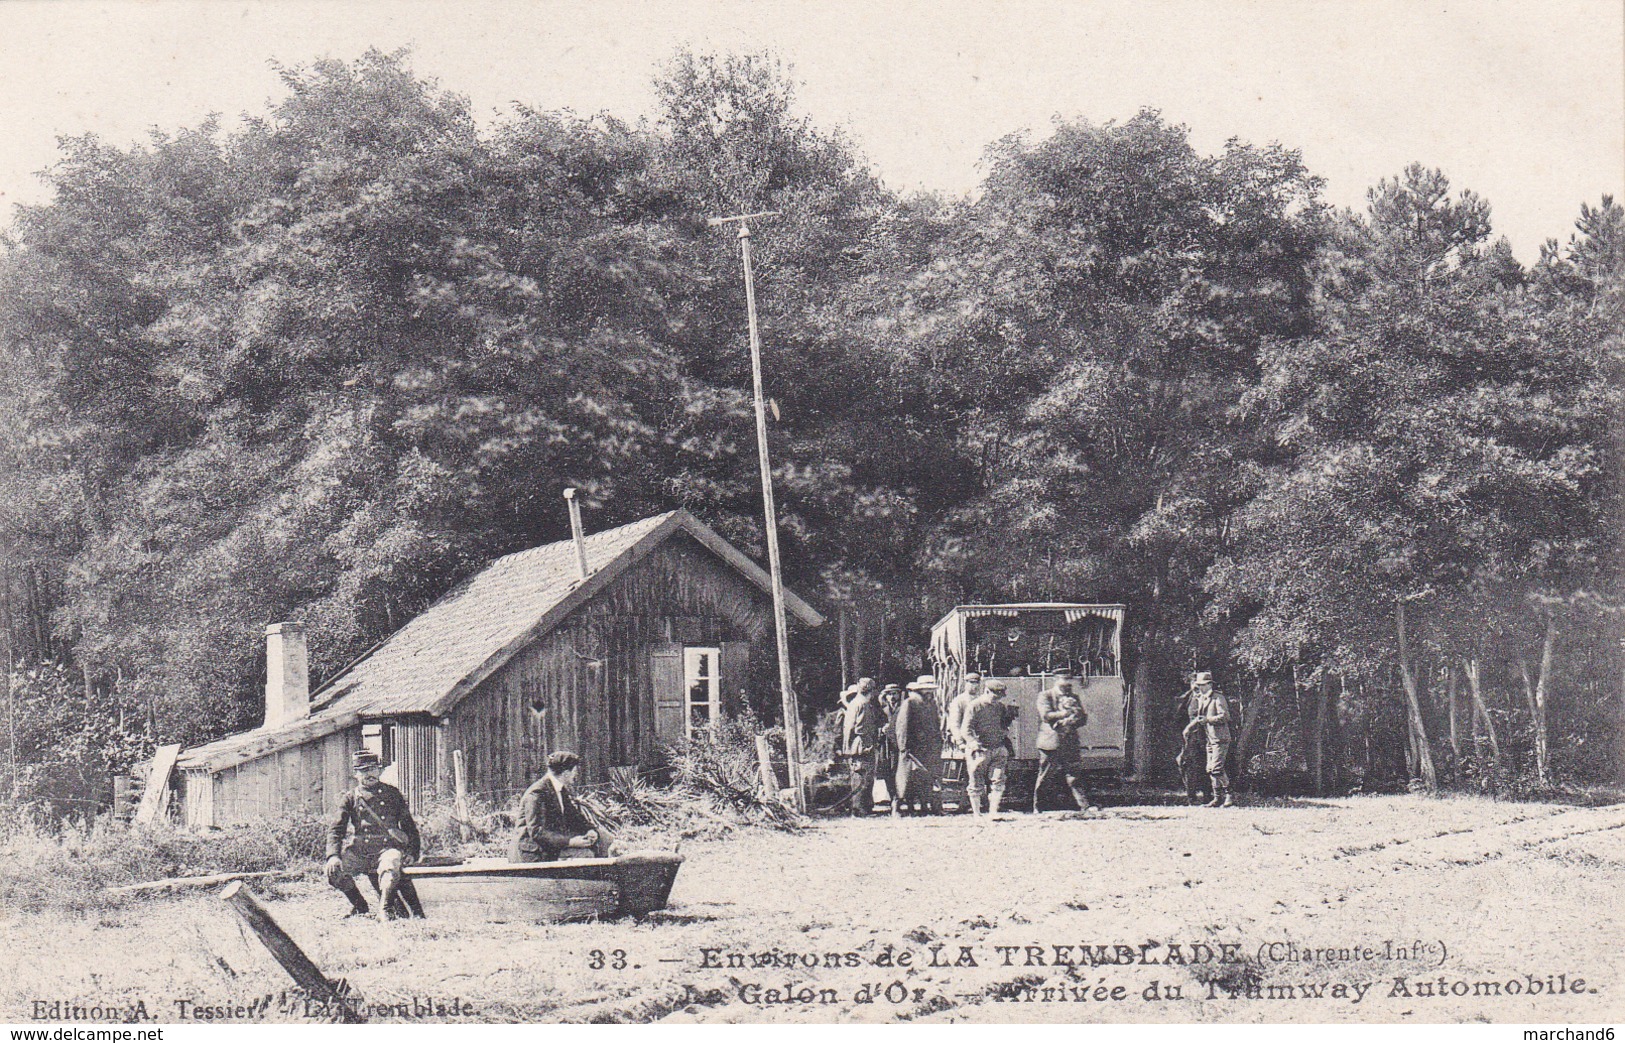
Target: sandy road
x,y
1296,911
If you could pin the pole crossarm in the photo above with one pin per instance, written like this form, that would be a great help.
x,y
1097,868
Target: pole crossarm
x,y
718,222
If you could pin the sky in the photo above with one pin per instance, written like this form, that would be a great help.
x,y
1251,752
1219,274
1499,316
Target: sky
x,y
1522,102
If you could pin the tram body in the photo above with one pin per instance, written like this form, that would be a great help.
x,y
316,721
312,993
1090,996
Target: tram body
x,y
1023,645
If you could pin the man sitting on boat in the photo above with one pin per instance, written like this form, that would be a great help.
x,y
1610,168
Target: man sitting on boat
x,y
551,823
382,840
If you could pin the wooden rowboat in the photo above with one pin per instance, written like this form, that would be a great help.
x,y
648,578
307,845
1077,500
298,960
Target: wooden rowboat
x,y
546,892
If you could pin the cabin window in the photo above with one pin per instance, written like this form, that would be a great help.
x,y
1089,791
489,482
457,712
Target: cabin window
x,y
372,738
702,680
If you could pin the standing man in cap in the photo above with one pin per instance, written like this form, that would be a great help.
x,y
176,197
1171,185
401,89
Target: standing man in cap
x,y
958,713
383,839
860,732
959,709
1061,715
1192,758
987,746
919,748
1213,717
890,698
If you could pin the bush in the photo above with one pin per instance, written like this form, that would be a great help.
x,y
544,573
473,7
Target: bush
x,y
715,789
73,866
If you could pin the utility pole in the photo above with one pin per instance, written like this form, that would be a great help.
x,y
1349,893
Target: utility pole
x,y
792,713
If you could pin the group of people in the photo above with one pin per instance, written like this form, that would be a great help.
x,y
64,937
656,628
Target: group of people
x,y
897,735
373,835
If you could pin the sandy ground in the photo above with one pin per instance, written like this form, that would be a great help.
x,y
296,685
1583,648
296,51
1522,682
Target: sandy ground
x,y
1362,909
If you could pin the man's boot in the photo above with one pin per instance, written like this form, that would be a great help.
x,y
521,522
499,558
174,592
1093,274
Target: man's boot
x,y
345,885
1226,802
358,904
407,894
386,894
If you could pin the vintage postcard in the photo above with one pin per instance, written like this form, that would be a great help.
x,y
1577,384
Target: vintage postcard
x,y
824,512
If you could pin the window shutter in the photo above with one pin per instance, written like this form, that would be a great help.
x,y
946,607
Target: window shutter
x,y
666,679
735,675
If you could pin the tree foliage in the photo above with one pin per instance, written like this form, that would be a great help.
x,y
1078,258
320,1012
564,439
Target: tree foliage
x,y
325,365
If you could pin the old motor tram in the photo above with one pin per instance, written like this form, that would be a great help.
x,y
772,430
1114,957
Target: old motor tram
x,y
1023,645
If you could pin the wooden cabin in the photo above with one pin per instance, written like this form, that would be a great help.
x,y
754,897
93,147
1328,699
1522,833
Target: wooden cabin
x,y
660,637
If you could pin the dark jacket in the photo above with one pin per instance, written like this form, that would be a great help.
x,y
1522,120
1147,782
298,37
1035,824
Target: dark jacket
x,y
987,723
1061,715
549,819
379,819
861,726
919,729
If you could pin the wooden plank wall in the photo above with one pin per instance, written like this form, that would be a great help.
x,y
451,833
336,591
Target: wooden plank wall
x,y
417,768
591,676
307,779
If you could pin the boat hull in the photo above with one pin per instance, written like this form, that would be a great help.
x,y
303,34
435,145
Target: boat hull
x,y
548,892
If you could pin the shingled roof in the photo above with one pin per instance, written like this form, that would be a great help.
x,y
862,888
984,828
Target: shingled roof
x,y
445,652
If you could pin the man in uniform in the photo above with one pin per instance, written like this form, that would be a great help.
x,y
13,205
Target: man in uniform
x,y
860,732
383,839
987,746
1213,717
955,718
889,699
959,710
919,748
1061,714
1192,758
550,821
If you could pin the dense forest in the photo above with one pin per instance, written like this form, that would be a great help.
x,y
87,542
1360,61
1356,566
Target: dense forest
x,y
326,363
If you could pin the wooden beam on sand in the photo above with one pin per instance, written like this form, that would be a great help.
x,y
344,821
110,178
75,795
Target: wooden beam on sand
x,y
184,882
304,973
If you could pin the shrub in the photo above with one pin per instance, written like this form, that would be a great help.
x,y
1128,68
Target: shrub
x,y
715,788
74,865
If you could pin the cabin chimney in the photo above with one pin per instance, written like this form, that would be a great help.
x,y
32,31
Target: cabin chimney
x,y
575,531
287,674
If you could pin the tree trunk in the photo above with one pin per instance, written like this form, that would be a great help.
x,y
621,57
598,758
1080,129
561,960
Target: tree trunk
x,y
1317,745
1481,712
1452,694
1250,719
1336,748
841,631
1140,719
1536,692
857,644
1413,704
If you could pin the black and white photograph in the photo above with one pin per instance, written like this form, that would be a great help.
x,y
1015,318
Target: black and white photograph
x,y
1049,511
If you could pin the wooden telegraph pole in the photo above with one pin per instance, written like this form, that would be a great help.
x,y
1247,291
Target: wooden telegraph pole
x,y
792,713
